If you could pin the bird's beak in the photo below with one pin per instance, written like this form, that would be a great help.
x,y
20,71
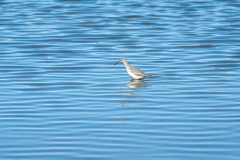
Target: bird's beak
x,y
117,62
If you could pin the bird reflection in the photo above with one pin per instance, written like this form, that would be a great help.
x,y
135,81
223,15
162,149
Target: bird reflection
x,y
133,97
135,84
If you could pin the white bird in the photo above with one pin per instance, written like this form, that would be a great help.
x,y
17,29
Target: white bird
x,y
132,71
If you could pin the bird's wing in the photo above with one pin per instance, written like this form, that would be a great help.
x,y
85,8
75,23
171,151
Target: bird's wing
x,y
138,72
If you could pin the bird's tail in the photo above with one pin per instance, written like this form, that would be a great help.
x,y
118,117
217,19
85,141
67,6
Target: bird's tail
x,y
148,75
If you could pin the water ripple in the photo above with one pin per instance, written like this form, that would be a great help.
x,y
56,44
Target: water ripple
x,y
62,97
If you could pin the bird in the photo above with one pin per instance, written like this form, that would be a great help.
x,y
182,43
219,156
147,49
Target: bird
x,y
132,71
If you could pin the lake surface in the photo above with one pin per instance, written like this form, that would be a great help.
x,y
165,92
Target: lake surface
x,y
62,97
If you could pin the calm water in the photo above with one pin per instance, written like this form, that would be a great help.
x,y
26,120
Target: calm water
x,y
62,97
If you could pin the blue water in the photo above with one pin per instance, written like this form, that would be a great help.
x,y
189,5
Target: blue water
x,y
62,97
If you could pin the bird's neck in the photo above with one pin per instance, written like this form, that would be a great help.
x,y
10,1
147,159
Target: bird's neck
x,y
126,64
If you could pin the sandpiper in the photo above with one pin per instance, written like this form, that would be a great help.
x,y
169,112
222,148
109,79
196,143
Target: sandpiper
x,y
132,71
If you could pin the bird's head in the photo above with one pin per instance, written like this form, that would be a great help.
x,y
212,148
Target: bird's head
x,y
122,60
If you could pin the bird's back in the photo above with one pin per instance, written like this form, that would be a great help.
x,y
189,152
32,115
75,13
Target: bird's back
x,y
138,72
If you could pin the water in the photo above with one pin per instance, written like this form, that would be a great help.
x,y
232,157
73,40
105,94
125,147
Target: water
x,y
62,97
